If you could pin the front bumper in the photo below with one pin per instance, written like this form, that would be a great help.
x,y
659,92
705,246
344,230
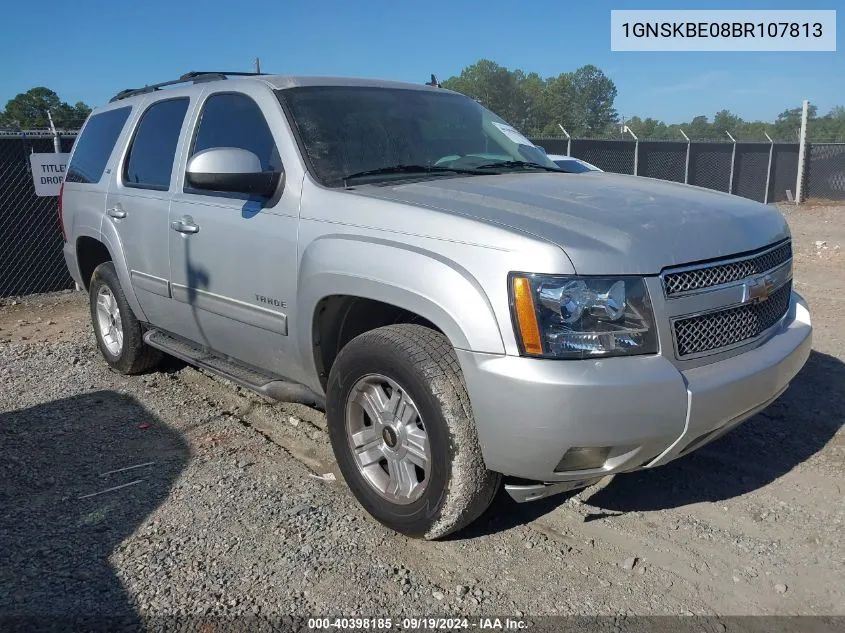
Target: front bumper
x,y
529,412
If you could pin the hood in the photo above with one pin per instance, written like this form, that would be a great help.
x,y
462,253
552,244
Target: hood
x,y
606,223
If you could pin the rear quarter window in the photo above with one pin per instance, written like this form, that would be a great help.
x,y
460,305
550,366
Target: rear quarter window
x,y
95,146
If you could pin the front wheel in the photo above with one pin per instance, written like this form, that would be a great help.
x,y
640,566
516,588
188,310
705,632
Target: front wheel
x,y
403,433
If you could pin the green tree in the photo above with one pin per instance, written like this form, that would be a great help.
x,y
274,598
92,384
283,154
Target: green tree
x,y
493,85
787,127
595,93
830,127
724,121
581,101
561,106
29,109
532,111
649,128
699,128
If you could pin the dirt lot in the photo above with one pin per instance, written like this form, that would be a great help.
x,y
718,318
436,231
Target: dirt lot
x,y
225,514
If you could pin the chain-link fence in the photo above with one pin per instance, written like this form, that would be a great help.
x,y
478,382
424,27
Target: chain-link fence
x,y
31,255
31,258
765,172
826,171
661,159
615,156
710,165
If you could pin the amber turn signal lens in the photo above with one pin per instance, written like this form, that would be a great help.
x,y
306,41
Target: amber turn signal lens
x,y
526,316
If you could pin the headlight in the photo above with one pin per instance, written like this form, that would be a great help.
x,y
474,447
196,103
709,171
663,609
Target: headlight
x,y
582,317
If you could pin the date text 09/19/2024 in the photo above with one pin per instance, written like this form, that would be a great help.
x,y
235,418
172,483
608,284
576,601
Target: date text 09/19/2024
x,y
418,624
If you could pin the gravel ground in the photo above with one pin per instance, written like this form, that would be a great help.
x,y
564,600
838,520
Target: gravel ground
x,y
234,506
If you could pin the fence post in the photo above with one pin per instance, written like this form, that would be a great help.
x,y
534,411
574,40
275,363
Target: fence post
x,y
769,168
568,139
686,162
625,128
802,153
57,142
733,159
636,156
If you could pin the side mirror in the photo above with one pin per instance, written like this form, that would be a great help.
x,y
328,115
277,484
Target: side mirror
x,y
231,169
541,148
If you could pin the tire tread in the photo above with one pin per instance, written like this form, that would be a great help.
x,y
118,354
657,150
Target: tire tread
x,y
434,357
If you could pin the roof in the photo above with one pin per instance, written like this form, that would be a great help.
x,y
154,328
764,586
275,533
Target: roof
x,y
279,82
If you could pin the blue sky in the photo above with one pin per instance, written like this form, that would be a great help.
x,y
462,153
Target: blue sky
x,y
90,50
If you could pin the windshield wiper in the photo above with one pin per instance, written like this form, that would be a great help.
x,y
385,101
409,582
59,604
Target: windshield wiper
x,y
507,164
414,169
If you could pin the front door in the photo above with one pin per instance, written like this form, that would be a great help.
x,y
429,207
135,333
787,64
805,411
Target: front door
x,y
232,258
138,203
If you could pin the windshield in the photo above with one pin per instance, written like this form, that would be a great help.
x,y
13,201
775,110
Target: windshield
x,y
350,130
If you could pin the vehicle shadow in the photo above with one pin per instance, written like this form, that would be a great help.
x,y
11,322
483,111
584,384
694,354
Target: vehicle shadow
x,y
55,542
794,428
197,279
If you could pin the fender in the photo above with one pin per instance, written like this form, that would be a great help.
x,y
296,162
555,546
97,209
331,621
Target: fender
x,y
70,247
415,279
109,236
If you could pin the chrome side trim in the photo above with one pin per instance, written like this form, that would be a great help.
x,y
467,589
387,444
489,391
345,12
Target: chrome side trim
x,y
150,283
232,308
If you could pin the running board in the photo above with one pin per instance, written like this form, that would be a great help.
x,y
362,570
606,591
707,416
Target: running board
x,y
264,384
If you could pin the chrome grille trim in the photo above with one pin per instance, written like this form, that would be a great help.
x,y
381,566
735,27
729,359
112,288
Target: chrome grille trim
x,y
725,328
679,282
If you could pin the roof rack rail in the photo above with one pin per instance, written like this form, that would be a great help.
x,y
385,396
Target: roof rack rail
x,y
193,77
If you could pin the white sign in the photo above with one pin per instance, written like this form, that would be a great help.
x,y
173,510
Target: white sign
x,y
48,173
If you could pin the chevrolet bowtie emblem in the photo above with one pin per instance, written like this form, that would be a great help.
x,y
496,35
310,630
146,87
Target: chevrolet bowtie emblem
x,y
758,289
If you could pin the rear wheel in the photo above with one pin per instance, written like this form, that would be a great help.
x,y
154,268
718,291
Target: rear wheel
x,y
118,332
403,434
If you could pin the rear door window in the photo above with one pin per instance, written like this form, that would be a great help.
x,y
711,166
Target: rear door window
x,y
95,146
151,155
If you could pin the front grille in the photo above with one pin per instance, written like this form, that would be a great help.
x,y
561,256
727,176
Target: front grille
x,y
715,330
717,274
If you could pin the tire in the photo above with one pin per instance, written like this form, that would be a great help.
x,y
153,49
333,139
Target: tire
x,y
126,353
420,381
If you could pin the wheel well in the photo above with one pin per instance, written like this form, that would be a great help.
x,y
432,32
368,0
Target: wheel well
x,y
90,253
340,318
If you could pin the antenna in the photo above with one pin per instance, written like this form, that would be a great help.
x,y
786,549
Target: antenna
x,y
434,83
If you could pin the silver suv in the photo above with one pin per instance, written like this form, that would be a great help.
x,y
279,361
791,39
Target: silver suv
x,y
462,308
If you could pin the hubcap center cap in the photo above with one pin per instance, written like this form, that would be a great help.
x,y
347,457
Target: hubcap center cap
x,y
389,436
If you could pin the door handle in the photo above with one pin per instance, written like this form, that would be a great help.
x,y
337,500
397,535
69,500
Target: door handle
x,y
116,212
185,225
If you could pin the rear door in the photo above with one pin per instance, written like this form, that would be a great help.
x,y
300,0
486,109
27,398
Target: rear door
x,y
139,200
87,180
234,278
